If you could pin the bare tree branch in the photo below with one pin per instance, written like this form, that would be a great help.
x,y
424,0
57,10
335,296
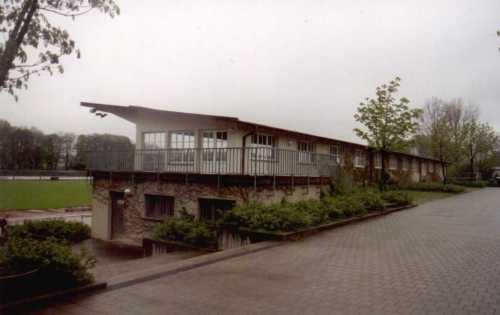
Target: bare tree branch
x,y
66,13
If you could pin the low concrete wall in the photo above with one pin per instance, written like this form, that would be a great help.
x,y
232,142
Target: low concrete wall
x,y
101,215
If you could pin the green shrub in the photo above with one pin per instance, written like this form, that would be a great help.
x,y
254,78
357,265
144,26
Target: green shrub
x,y
350,205
277,217
424,186
468,183
343,184
331,209
434,186
57,264
455,189
371,201
185,229
314,209
288,217
72,232
397,198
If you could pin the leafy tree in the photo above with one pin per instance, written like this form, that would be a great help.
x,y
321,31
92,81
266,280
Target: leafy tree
x,y
29,148
32,43
52,149
479,142
5,148
99,142
388,122
68,140
440,131
453,132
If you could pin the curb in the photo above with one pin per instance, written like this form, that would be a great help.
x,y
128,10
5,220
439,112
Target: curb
x,y
49,297
208,259
185,265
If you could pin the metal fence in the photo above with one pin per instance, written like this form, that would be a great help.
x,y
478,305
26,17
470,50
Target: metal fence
x,y
259,161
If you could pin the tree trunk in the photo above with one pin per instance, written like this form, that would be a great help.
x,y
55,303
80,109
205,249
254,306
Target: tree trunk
x,y
382,181
443,171
472,168
15,40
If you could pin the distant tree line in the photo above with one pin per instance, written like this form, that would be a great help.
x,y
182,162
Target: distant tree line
x,y
447,130
29,148
452,132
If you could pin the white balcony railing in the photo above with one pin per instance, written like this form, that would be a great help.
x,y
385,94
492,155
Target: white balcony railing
x,y
223,161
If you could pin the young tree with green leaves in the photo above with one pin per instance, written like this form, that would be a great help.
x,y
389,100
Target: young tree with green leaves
x,y
388,123
31,44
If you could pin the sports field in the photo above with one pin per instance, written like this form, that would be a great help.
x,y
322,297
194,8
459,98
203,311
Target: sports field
x,y
33,194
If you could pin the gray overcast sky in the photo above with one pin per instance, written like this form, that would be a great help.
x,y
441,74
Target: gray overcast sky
x,y
297,64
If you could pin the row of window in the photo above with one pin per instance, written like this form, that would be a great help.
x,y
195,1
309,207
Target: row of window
x,y
161,206
183,140
403,163
264,145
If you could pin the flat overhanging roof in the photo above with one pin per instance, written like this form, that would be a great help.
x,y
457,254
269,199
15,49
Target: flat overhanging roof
x,y
130,112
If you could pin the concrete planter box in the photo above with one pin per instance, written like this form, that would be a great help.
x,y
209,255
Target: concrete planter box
x,y
245,236
28,288
154,247
42,298
14,286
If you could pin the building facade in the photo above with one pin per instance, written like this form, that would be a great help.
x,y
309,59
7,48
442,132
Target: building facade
x,y
201,163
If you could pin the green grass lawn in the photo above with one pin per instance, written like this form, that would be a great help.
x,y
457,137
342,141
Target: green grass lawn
x,y
426,196
27,194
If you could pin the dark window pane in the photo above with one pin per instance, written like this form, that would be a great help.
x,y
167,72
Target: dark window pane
x,y
210,209
159,206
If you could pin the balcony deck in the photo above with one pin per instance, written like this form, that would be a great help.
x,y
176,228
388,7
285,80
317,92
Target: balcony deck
x,y
249,161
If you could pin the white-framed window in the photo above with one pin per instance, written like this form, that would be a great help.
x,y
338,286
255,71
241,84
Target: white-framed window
x,y
153,155
153,140
377,160
306,152
182,144
182,140
431,167
424,167
405,164
263,147
393,162
214,145
359,158
336,153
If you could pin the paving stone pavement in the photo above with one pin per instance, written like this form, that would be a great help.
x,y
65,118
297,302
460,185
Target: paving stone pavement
x,y
440,258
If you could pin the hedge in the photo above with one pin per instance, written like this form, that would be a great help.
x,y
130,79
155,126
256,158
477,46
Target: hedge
x,y
45,246
433,186
72,232
468,183
56,263
185,229
288,217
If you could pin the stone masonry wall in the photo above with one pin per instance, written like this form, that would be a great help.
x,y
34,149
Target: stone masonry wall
x,y
186,198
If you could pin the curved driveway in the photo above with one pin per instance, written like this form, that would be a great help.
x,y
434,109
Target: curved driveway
x,y
441,257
